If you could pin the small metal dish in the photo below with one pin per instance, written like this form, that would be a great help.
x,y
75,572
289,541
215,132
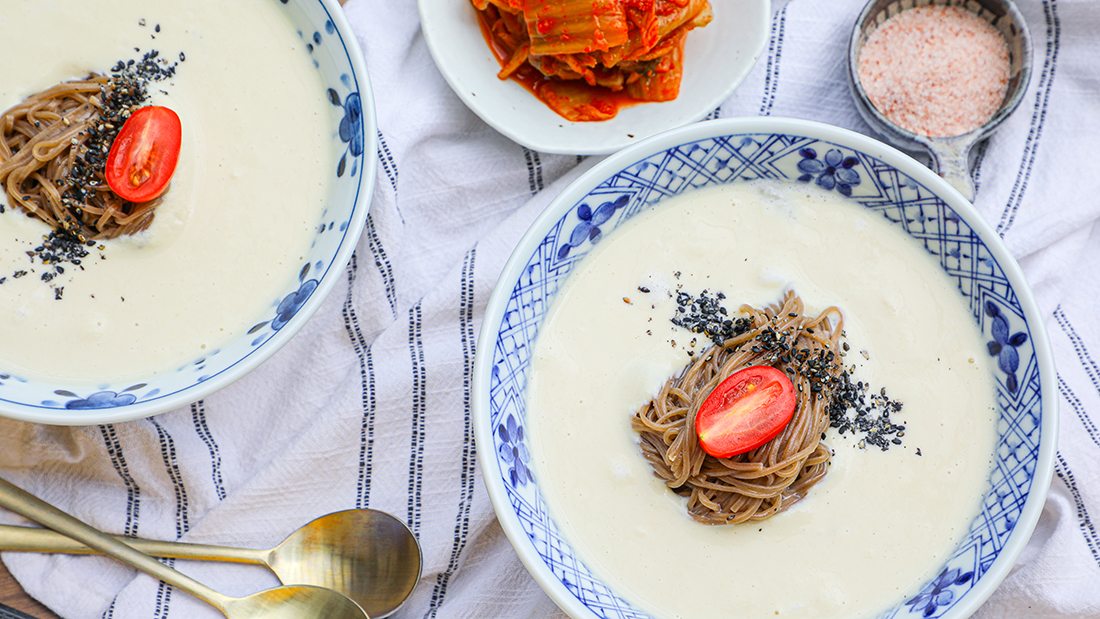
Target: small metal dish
x,y
950,155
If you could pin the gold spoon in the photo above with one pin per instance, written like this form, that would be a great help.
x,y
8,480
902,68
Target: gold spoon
x,y
367,555
286,602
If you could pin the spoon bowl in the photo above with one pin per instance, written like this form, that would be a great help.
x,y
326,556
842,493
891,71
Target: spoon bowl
x,y
370,556
367,555
293,602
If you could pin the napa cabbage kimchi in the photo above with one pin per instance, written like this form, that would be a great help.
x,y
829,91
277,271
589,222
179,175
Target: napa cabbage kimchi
x,y
587,58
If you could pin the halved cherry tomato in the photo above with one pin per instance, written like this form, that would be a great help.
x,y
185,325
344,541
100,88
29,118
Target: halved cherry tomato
x,y
144,155
746,410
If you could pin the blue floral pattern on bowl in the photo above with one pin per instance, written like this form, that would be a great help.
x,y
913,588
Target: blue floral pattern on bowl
x,y
873,183
99,399
347,87
940,592
513,450
1004,346
588,228
832,171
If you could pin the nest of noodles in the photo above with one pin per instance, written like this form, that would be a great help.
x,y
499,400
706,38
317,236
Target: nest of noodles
x,y
771,478
573,53
53,152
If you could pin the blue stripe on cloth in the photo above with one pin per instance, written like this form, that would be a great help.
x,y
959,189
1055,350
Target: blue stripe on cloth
x,y
389,166
385,159
1038,117
198,418
164,594
534,170
367,386
382,262
775,51
417,433
171,465
1079,408
1079,347
1084,521
467,476
133,492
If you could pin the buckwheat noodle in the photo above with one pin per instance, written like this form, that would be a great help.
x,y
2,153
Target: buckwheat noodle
x,y
768,480
43,140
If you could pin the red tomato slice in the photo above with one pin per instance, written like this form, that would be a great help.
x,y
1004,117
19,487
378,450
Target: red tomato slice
x,y
144,155
745,411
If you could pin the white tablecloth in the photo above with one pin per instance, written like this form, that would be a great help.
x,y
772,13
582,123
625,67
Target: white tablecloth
x,y
367,406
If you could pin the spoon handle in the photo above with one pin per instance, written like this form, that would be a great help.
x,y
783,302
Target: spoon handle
x,y
29,539
24,504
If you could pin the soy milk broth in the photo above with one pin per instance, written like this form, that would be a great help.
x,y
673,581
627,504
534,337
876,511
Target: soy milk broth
x,y
878,524
237,222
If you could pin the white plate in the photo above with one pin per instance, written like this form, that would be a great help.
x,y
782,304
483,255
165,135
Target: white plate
x,y
717,59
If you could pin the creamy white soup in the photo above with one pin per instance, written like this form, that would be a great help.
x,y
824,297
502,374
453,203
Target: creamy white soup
x,y
879,523
237,222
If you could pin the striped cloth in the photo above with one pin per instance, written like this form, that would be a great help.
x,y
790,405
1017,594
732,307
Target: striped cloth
x,y
368,405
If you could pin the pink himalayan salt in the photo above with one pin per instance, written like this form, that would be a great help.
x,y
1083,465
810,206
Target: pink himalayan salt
x,y
935,70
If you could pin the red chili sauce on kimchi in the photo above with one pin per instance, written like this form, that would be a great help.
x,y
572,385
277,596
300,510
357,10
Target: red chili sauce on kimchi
x,y
586,59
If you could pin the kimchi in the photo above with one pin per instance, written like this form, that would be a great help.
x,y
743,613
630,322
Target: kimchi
x,y
585,59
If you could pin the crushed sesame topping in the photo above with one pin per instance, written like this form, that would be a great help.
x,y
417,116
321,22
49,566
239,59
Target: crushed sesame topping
x,y
868,416
705,314
851,408
125,91
58,248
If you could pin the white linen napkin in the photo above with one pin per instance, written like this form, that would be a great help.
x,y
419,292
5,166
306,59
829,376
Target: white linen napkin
x,y
367,406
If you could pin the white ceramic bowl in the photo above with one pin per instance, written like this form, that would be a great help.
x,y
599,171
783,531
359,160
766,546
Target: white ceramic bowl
x,y
731,151
337,56
716,59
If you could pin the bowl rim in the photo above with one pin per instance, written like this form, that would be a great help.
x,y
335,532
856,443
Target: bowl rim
x,y
257,356
494,314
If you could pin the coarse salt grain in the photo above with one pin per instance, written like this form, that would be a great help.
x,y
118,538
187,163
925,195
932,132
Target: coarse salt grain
x,y
937,70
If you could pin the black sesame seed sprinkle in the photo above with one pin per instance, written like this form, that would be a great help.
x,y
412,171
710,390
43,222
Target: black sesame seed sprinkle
x,y
704,314
851,408
125,91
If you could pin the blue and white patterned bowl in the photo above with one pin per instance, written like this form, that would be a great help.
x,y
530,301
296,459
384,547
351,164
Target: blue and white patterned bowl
x,y
880,178
336,54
